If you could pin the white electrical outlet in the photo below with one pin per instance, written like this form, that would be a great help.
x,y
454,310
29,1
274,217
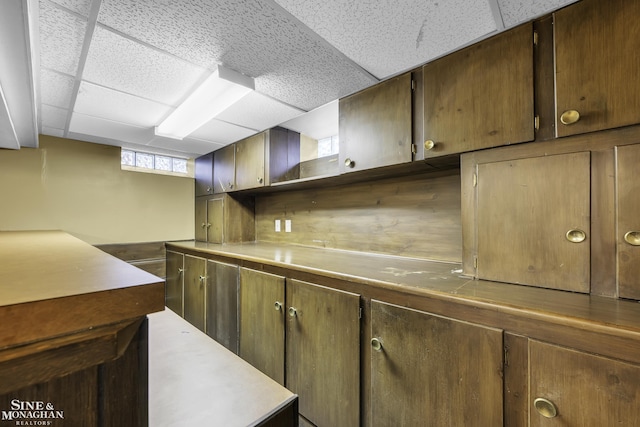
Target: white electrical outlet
x,y
278,226
287,226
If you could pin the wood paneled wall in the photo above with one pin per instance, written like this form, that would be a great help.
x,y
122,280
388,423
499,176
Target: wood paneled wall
x,y
416,216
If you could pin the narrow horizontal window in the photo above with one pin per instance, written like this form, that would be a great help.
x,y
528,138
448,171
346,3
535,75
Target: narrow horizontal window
x,y
156,163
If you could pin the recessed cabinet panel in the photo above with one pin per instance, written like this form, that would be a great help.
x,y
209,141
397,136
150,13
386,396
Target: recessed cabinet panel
x,y
224,169
222,303
323,353
375,126
481,96
174,281
571,388
628,227
596,61
431,370
250,156
215,220
533,221
201,224
262,322
195,280
204,175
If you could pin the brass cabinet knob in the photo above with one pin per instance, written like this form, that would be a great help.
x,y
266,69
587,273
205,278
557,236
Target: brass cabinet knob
x,y
569,117
632,238
180,270
576,236
293,312
202,278
545,407
278,305
429,144
376,344
260,180
203,225
208,189
349,163
208,225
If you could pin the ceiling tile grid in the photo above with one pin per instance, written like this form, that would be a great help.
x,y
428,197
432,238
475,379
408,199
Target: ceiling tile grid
x,y
81,7
386,37
55,88
53,117
61,38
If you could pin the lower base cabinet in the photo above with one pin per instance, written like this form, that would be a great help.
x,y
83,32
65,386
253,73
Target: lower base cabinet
x,y
572,388
222,303
195,281
174,282
432,370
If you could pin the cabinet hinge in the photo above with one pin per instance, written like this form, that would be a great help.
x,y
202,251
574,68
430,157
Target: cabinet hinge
x,y
475,179
536,122
360,313
535,38
414,149
506,356
413,85
475,262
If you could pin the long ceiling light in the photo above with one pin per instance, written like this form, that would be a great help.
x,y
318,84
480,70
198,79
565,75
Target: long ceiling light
x,y
221,90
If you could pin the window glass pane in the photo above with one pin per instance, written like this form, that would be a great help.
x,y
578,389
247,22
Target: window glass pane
x,y
163,163
128,158
144,160
180,165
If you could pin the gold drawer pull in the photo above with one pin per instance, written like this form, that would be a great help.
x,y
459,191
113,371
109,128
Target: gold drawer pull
x,y
376,344
545,407
429,144
632,238
569,117
349,163
576,236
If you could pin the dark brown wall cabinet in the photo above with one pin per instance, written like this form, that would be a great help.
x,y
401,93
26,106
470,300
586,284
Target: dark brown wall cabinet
x,y
204,175
224,169
224,218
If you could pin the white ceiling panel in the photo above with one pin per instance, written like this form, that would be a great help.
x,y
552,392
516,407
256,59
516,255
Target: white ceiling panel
x,y
61,37
121,107
83,124
258,112
122,64
52,131
371,32
219,132
317,124
259,39
189,147
55,88
515,12
53,117
79,6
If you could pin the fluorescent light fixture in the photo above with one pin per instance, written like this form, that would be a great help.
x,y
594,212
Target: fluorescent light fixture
x,y
221,90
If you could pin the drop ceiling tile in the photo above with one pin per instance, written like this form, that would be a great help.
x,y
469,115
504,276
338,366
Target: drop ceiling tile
x,y
120,63
107,130
259,112
259,39
79,6
52,132
55,88
388,37
121,107
188,146
53,117
61,37
219,132
317,124
515,12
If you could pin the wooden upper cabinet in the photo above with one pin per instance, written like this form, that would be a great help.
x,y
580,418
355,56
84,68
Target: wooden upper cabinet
x,y
431,370
224,169
204,175
533,221
481,96
597,62
628,220
250,162
375,126
581,389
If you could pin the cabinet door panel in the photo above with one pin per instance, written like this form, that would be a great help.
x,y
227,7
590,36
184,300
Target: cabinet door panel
x,y
174,283
481,96
224,169
596,55
222,303
204,175
433,371
194,290
587,390
250,156
525,208
323,353
375,125
201,220
262,322
628,211
215,221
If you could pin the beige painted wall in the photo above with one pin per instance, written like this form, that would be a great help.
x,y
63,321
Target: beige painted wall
x,y
78,187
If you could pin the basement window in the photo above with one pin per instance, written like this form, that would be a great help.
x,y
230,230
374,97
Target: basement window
x,y
154,163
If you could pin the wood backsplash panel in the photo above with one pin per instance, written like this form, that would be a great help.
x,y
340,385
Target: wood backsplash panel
x,y
416,216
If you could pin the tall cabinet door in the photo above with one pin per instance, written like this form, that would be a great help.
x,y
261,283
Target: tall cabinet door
x,y
431,370
323,353
201,223
596,55
215,220
250,162
174,281
262,322
628,227
533,221
224,169
481,96
195,278
222,303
